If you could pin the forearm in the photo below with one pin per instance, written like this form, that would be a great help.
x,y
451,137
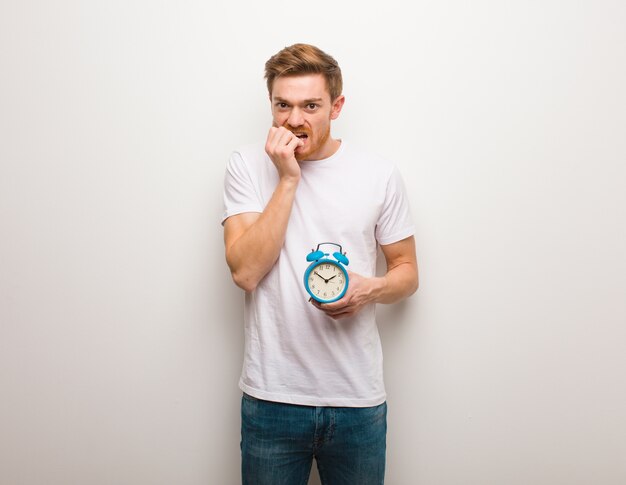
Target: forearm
x,y
398,283
251,255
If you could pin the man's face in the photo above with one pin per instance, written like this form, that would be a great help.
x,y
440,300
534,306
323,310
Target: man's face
x,y
302,104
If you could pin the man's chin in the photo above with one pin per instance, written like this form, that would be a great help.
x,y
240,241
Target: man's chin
x,y
301,156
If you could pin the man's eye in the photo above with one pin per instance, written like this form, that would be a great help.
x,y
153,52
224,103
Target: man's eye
x,y
282,105
312,106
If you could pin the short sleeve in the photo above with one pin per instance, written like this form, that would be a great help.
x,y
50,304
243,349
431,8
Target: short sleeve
x,y
240,194
395,222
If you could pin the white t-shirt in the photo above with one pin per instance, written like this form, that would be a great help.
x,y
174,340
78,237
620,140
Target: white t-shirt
x,y
294,353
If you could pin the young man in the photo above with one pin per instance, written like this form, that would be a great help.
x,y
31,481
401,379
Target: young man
x,y
312,375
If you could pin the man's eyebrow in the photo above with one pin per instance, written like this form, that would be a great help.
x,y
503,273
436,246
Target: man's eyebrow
x,y
306,101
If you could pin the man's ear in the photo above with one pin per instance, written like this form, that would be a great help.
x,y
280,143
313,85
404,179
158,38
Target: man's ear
x,y
336,107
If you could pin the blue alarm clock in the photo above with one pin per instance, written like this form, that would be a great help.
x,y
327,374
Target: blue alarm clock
x,y
326,280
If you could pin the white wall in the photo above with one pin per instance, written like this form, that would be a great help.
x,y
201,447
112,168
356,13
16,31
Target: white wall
x,y
120,331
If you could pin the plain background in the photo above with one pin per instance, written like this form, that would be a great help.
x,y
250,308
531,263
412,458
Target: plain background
x,y
120,329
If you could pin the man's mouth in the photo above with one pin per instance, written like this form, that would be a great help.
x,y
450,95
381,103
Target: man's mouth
x,y
302,136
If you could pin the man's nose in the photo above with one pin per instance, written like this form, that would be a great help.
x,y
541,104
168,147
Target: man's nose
x,y
295,117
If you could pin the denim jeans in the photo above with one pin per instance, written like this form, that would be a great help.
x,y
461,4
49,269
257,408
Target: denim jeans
x,y
279,441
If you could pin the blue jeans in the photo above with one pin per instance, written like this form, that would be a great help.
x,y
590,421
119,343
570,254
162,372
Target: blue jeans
x,y
279,441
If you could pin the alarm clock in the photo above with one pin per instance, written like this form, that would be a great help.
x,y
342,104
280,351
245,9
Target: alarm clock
x,y
326,280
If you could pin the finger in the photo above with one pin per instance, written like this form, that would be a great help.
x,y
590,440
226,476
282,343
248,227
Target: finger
x,y
335,315
294,143
341,315
287,145
343,302
332,307
276,143
285,137
270,144
272,132
280,132
338,311
315,303
325,307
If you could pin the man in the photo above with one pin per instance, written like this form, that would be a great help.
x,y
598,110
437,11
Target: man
x,y
312,372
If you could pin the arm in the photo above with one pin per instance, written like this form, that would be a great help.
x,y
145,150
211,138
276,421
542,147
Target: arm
x,y
253,241
400,281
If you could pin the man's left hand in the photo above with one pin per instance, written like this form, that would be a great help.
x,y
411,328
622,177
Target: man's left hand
x,y
361,291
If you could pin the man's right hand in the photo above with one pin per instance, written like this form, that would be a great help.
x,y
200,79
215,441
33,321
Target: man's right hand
x,y
253,241
281,146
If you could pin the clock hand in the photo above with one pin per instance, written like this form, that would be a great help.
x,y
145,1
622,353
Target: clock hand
x,y
330,278
325,280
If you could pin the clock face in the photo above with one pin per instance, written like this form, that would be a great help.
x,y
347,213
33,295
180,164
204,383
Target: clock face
x,y
326,281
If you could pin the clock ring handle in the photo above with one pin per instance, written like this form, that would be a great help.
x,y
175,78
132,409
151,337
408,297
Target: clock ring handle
x,y
332,243
339,256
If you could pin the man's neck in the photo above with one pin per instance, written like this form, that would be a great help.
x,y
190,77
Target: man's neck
x,y
327,151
